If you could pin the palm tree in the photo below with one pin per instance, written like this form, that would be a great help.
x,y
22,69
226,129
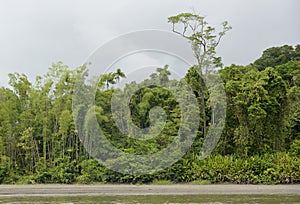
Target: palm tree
x,y
108,79
118,75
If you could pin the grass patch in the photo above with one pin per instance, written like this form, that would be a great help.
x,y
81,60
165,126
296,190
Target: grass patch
x,y
162,182
201,182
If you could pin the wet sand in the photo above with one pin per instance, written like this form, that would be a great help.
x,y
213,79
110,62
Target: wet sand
x,y
179,189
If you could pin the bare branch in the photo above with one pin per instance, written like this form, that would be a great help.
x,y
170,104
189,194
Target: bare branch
x,y
177,32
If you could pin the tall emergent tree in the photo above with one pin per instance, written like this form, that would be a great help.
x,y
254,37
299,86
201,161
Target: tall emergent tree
x,y
204,40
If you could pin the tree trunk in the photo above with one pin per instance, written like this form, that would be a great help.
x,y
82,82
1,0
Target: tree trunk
x,y
203,105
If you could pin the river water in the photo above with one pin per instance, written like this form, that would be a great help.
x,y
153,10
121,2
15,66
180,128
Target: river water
x,y
192,199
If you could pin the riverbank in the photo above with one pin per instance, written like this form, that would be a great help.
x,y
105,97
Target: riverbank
x,y
179,189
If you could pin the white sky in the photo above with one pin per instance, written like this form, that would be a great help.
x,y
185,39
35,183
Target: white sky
x,y
35,33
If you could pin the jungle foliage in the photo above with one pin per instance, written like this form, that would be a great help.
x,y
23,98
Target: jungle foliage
x,y
39,141
260,142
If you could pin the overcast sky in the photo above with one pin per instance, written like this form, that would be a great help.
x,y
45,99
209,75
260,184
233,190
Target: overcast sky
x,y
36,33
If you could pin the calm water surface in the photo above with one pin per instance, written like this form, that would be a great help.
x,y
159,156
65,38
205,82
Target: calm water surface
x,y
204,199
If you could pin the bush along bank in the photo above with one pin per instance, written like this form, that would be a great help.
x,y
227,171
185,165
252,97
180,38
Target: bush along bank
x,y
278,168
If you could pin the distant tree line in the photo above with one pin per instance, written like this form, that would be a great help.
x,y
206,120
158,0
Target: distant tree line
x,y
39,142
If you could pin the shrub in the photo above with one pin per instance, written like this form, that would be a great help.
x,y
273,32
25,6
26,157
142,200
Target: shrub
x,y
295,148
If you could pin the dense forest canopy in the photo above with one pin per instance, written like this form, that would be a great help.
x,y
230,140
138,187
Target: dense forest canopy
x,y
39,142
67,127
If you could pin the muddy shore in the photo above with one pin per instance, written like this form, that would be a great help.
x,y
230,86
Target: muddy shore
x,y
179,189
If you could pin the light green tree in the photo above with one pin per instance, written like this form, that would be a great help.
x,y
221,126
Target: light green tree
x,y
204,40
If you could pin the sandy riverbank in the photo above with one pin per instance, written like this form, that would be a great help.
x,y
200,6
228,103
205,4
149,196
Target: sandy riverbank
x,y
181,189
